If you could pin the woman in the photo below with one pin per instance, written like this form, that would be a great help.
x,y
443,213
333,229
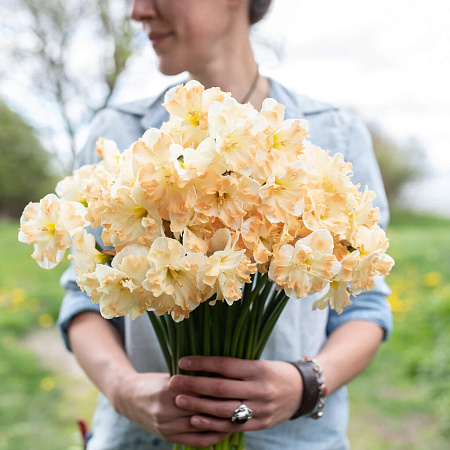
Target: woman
x,y
141,407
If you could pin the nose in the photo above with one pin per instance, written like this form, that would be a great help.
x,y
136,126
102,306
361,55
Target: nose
x,y
143,9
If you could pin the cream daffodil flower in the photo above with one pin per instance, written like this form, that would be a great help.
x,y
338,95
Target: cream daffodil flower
x,y
118,289
306,267
337,296
128,220
172,278
71,188
371,245
110,154
282,194
48,225
231,125
225,271
85,254
188,106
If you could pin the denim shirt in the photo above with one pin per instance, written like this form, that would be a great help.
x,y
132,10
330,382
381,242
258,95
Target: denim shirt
x,y
299,331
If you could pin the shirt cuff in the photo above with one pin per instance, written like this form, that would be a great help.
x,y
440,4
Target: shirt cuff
x,y
370,305
77,302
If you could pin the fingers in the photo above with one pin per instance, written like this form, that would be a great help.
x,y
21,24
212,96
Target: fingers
x,y
199,439
183,432
215,387
219,408
227,426
215,415
235,368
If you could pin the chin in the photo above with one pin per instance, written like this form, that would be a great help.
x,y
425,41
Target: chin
x,y
171,68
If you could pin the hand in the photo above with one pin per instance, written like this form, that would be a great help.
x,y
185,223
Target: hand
x,y
271,389
148,400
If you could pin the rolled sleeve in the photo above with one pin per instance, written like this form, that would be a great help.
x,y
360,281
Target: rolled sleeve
x,y
74,302
370,305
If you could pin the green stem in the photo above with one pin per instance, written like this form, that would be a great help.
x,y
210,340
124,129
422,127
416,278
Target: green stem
x,y
243,317
269,327
157,323
256,317
182,343
271,306
215,322
191,334
206,331
173,343
229,327
268,295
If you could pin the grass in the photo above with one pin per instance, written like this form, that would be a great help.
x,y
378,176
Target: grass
x,y
30,416
403,399
401,402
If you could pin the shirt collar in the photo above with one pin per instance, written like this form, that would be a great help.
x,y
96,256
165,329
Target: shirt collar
x,y
296,106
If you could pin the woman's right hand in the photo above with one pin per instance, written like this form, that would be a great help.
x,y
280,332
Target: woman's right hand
x,y
144,398
147,399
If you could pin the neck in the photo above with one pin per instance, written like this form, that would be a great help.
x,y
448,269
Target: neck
x,y
233,69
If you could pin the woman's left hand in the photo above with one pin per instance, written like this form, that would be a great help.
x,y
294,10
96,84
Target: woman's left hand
x,y
271,389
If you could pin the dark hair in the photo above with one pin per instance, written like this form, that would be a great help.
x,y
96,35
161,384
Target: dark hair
x,y
257,10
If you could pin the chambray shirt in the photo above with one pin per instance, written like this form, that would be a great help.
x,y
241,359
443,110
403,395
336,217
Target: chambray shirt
x,y
299,331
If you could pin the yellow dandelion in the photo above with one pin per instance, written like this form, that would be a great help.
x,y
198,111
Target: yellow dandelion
x,y
18,296
432,279
398,305
46,320
48,384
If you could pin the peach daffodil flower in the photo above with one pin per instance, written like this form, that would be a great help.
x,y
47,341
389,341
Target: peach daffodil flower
x,y
118,289
172,278
224,272
305,267
48,225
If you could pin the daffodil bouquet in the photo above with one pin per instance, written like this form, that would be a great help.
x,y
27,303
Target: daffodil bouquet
x,y
211,224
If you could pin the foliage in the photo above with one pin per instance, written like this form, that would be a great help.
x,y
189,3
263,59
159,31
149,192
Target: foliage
x,y
28,294
52,43
30,394
24,168
398,163
409,378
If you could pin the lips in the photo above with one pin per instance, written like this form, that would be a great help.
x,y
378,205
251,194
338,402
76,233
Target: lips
x,y
157,38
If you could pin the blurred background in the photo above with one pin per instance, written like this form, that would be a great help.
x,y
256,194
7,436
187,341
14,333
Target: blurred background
x,y
386,61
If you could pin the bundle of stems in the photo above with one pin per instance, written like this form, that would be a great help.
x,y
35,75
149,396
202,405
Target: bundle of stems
x,y
239,330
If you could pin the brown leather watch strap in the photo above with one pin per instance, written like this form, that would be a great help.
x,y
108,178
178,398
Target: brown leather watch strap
x,y
311,390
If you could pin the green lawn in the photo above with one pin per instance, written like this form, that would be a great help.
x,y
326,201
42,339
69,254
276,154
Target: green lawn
x,y
403,399
401,402
30,397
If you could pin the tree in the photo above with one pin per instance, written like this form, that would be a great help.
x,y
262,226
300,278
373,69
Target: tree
x,y
399,163
25,170
72,52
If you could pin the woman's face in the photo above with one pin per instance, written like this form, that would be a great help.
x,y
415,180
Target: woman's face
x,y
185,34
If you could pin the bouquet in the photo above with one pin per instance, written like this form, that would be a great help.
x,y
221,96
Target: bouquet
x,y
210,224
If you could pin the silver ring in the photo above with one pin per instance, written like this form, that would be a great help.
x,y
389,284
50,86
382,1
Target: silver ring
x,y
242,414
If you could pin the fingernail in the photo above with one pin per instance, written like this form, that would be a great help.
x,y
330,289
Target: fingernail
x,y
185,363
175,382
181,401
